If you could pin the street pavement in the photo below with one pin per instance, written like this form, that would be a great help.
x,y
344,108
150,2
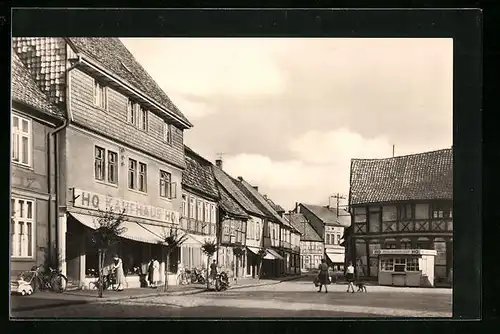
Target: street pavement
x,y
297,298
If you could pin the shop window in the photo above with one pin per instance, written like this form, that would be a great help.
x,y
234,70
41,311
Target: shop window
x,y
412,264
22,228
21,140
399,264
387,264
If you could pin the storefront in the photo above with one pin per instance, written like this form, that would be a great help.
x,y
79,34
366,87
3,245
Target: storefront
x,y
336,260
252,260
406,267
144,230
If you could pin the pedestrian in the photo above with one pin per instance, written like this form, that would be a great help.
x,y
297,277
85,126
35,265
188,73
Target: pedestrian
x,y
150,273
156,273
118,269
213,270
323,275
350,277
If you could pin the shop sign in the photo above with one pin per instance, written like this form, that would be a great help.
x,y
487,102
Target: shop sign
x,y
396,251
93,201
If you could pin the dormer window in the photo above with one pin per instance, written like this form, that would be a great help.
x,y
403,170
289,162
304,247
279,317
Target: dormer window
x,y
100,96
167,133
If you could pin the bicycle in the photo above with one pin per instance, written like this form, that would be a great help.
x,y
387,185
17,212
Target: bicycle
x,y
107,281
54,281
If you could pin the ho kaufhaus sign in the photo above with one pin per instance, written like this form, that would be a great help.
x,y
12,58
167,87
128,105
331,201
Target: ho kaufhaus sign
x,y
93,201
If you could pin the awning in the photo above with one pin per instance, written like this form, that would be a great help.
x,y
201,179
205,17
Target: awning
x,y
269,256
275,254
254,250
133,231
336,257
197,240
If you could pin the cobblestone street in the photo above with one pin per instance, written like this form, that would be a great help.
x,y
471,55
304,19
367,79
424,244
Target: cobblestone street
x,y
287,299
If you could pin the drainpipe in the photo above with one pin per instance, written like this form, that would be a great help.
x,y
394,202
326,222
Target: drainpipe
x,y
53,134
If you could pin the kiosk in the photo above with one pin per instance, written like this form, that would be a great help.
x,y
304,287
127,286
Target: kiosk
x,y
406,267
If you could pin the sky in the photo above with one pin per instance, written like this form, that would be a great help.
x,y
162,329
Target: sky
x,y
288,115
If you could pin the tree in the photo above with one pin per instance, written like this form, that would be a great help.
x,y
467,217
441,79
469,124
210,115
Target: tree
x,y
260,255
107,233
238,252
171,240
209,248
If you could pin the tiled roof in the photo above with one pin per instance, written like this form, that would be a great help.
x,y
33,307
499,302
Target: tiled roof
x,y
227,183
26,91
300,223
260,201
115,57
229,205
329,215
198,174
424,176
278,208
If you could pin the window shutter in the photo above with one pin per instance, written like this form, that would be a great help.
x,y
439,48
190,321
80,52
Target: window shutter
x,y
173,186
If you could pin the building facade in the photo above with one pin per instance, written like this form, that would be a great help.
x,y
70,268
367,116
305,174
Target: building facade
x,y
311,243
402,203
330,225
35,121
121,151
200,198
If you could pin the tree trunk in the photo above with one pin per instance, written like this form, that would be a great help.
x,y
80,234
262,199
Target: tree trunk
x,y
100,286
208,272
260,269
167,262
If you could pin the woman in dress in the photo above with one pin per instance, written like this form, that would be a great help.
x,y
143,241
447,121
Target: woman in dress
x,y
323,275
156,273
350,277
150,273
118,269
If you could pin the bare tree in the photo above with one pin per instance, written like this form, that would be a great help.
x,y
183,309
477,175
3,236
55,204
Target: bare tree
x,y
209,248
107,233
171,240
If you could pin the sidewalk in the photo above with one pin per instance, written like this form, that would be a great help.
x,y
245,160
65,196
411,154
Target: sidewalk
x,y
45,299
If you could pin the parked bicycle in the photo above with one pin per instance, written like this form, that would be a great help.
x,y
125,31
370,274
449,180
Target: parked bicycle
x,y
108,281
53,281
197,276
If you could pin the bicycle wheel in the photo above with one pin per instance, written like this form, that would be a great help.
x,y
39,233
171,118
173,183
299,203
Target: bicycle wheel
x,y
59,283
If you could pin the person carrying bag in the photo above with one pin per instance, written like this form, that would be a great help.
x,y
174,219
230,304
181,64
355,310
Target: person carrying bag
x,y
322,278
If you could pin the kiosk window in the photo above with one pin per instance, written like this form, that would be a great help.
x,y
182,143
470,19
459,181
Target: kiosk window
x,y
399,265
387,265
412,264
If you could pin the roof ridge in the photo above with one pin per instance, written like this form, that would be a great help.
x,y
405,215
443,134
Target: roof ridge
x,y
401,156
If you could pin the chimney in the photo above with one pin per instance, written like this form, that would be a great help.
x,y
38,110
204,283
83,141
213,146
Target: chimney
x,y
240,178
297,207
218,163
256,188
265,196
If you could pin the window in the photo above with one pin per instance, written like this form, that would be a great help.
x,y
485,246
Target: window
x,y
374,222
143,119
112,167
143,177
257,231
213,213
192,207
184,204
167,133
360,215
412,264
207,212
200,210
100,96
132,173
165,184
399,264
21,140
23,228
405,244
406,212
131,112
387,265
99,163
421,211
389,213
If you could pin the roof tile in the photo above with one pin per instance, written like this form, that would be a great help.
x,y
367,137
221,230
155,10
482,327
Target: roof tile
x,y
329,215
199,175
423,176
301,224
